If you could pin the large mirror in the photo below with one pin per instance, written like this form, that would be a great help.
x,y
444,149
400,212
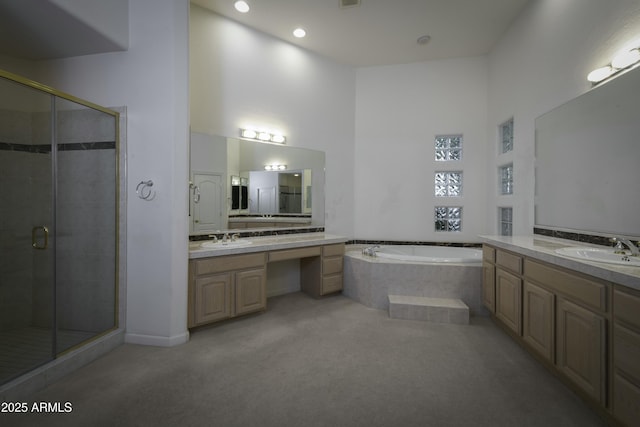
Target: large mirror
x,y
237,184
588,161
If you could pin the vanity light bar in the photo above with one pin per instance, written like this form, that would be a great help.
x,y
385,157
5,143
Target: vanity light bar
x,y
275,167
262,136
620,62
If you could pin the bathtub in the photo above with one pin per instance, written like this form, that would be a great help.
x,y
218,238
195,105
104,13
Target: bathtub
x,y
426,271
438,254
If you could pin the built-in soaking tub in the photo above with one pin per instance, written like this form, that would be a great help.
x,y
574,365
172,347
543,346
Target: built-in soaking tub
x,y
414,270
423,253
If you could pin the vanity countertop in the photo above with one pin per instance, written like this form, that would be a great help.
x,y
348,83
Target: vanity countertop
x,y
543,248
268,243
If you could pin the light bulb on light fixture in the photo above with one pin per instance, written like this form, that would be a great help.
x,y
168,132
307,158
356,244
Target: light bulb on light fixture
x,y
600,74
241,6
277,138
248,133
264,136
299,33
625,59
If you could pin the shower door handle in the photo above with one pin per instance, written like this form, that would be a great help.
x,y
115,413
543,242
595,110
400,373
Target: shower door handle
x,y
34,237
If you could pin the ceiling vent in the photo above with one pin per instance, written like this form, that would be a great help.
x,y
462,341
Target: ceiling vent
x,y
349,3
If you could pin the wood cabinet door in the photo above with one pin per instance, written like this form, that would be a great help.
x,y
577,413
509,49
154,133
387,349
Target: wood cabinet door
x,y
508,300
489,286
581,346
538,323
212,298
250,288
626,374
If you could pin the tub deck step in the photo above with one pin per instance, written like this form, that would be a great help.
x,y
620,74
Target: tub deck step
x,y
439,310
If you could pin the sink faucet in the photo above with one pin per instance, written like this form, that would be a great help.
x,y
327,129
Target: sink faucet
x,y
620,243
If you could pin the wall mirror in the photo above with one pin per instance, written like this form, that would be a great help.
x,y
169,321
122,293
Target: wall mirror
x,y
588,161
231,190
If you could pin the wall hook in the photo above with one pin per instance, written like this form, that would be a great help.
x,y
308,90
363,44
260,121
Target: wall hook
x,y
144,191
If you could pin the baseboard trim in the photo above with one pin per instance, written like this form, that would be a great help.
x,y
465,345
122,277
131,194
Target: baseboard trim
x,y
157,341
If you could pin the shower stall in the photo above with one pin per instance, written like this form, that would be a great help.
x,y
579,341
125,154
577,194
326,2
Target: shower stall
x,y
59,197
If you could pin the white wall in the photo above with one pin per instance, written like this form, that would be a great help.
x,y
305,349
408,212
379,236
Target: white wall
x,y
399,110
241,77
151,80
539,64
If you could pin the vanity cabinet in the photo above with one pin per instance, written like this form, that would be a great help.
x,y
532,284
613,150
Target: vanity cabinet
x,y
508,286
581,311
626,355
322,276
564,318
226,286
489,278
538,320
222,287
581,348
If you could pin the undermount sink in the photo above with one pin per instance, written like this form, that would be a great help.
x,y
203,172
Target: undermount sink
x,y
225,245
605,255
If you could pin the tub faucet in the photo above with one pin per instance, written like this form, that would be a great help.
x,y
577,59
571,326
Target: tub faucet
x,y
621,243
370,251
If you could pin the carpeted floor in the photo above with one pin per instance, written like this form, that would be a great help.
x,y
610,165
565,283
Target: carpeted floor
x,y
329,362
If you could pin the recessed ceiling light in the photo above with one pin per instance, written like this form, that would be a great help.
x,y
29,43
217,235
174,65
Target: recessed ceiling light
x,y
241,6
299,32
424,39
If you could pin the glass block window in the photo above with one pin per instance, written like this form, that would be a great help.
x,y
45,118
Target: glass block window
x,y
506,136
448,147
505,221
506,179
448,218
448,184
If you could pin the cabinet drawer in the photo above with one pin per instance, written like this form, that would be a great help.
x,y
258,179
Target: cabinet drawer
x,y
626,308
577,288
331,265
626,351
509,261
488,253
295,253
228,263
333,250
331,284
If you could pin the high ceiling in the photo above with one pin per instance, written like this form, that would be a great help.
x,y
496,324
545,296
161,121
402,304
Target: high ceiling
x,y
375,32
380,32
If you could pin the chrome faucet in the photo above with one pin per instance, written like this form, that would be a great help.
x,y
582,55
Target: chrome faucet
x,y
621,243
370,251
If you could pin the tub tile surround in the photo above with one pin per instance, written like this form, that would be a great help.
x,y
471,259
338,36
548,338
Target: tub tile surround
x,y
370,280
543,248
413,242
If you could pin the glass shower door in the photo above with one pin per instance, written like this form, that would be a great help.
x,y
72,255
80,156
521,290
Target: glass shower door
x,y
26,230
